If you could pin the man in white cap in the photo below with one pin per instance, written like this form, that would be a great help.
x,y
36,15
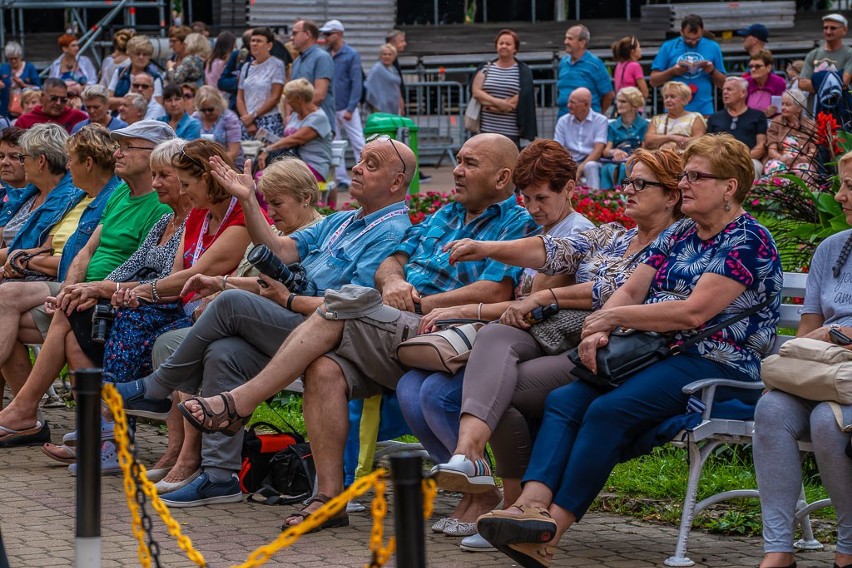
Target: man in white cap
x,y
348,86
833,55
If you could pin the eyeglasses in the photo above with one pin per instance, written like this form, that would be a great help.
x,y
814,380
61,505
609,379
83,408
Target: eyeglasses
x,y
196,163
22,156
756,66
638,184
142,86
188,96
693,176
382,137
211,109
12,157
294,33
57,99
830,28
123,149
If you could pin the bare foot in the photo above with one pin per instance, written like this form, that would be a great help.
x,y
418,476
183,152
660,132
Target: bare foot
x,y
181,470
479,504
168,459
15,418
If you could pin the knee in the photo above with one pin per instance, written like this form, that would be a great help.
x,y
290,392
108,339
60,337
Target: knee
x,y
771,409
823,423
324,378
409,386
439,394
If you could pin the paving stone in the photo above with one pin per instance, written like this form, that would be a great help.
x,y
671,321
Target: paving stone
x,y
37,515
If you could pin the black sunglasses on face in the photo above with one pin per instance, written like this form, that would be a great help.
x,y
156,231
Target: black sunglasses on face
x,y
57,99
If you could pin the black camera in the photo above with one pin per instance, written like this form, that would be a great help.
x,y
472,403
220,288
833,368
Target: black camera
x,y
102,316
293,276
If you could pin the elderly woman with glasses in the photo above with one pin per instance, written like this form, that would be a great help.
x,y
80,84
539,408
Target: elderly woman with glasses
x,y
218,122
15,75
28,216
308,134
717,264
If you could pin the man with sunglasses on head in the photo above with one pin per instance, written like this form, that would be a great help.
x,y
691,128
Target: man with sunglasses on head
x,y
54,108
833,55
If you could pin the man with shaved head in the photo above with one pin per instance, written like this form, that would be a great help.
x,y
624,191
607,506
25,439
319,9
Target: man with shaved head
x,y
347,348
583,132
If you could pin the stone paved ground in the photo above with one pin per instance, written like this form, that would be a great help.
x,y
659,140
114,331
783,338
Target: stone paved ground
x,y
37,521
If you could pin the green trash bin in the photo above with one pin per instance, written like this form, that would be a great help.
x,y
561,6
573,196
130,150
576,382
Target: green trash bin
x,y
399,128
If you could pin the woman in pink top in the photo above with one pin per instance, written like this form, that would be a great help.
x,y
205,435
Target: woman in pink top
x,y
763,84
628,73
215,63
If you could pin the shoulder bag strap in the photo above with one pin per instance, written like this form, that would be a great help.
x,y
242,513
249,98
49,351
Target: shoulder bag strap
x,y
722,324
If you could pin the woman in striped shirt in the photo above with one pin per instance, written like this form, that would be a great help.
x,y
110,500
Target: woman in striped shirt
x,y
504,88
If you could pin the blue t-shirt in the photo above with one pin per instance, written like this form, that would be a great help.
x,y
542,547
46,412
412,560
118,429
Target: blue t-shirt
x,y
351,256
743,251
675,50
590,72
114,124
428,268
187,128
316,63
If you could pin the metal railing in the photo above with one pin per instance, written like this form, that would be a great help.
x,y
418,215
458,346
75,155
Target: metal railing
x,y
437,107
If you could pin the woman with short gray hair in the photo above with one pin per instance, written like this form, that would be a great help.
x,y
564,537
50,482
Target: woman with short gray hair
x,y
16,75
50,194
96,101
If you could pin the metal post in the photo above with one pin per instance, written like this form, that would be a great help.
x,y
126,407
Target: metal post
x,y
407,474
87,384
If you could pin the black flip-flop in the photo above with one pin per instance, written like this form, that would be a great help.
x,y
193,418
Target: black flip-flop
x,y
35,436
339,520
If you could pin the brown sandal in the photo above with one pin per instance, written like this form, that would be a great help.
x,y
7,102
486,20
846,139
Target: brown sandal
x,y
339,520
534,524
212,421
62,454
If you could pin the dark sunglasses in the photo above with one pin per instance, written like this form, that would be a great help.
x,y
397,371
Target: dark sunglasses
x,y
195,162
188,96
210,109
142,86
58,99
375,137
639,184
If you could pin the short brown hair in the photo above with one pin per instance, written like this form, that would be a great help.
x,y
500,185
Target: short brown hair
x,y
93,141
179,32
511,33
544,161
763,55
311,28
729,159
666,165
195,158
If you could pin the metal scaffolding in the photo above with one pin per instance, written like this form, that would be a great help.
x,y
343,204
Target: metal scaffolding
x,y
77,13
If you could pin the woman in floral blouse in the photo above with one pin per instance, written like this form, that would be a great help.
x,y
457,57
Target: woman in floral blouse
x,y
707,269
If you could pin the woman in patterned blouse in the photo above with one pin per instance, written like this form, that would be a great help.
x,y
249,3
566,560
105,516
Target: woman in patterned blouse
x,y
707,269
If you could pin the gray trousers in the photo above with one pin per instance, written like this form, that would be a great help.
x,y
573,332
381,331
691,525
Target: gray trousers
x,y
506,382
780,421
231,342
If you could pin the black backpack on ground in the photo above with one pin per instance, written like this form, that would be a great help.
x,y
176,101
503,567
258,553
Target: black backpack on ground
x,y
290,479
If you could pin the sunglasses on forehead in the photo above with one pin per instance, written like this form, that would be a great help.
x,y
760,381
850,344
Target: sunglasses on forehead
x,y
383,137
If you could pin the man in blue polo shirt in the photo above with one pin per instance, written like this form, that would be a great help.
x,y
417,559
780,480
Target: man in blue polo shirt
x,y
579,68
315,65
691,59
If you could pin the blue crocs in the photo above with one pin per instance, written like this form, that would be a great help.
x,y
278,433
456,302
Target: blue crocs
x,y
135,403
202,491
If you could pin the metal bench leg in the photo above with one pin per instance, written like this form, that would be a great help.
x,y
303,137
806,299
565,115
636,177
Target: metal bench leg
x,y
697,457
807,542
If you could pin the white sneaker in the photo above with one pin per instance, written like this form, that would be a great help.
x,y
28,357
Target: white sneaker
x,y
475,543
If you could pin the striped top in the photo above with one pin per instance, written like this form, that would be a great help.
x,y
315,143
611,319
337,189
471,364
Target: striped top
x,y
501,83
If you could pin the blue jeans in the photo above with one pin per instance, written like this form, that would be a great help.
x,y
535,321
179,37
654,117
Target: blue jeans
x,y
585,430
431,404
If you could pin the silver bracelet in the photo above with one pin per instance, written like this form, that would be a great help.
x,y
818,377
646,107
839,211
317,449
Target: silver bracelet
x,y
479,311
225,281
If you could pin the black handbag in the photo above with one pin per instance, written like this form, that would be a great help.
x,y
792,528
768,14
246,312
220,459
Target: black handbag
x,y
630,351
560,332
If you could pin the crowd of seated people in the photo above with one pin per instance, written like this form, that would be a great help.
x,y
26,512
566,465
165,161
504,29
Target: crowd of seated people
x,y
142,206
